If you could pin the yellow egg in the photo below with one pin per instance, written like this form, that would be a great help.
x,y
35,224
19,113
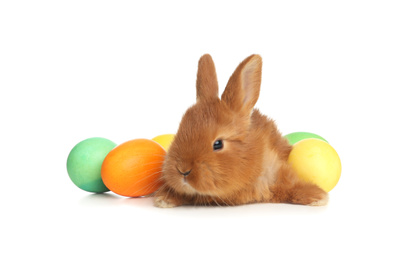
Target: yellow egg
x,y
316,161
164,140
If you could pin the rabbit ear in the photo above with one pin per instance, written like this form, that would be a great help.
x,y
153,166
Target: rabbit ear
x,y
243,88
207,87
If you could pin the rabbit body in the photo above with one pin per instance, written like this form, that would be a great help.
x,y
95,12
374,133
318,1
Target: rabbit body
x,y
226,152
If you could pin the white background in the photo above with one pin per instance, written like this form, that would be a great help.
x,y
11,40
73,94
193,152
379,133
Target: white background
x,y
70,70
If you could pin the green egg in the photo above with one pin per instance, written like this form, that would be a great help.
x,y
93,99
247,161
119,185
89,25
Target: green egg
x,y
84,163
295,137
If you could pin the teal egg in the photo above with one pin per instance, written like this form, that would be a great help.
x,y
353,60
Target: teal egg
x,y
298,136
84,163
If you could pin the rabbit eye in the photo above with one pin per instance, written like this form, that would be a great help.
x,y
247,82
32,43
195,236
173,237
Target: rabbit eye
x,y
218,145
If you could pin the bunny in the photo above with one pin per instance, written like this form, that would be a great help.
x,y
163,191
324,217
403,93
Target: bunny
x,y
225,152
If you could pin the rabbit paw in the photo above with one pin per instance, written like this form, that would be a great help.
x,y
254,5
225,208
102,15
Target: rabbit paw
x,y
162,202
321,201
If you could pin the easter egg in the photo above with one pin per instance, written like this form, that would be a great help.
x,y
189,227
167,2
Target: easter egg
x,y
84,163
298,136
316,161
133,168
164,140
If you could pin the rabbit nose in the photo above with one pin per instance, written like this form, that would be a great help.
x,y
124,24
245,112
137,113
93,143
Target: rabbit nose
x,y
185,173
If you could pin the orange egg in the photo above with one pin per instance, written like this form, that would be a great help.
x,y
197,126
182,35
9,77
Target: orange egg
x,y
133,168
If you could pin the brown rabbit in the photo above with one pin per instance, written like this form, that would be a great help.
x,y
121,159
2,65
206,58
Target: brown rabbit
x,y
227,153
